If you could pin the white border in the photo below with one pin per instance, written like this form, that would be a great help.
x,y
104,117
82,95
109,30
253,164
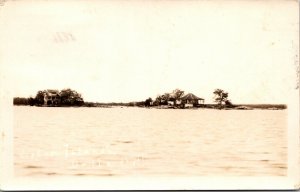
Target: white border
x,y
9,182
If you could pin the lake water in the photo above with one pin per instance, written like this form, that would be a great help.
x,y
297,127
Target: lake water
x,y
139,141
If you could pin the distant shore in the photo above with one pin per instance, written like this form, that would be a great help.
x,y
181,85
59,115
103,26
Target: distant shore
x,y
205,106
177,99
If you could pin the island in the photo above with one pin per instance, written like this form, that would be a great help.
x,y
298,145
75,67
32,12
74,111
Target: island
x,y
177,99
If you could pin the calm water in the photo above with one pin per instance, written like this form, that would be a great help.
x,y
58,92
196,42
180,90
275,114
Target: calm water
x,y
138,141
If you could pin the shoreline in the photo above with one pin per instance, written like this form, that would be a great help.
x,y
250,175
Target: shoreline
x,y
206,106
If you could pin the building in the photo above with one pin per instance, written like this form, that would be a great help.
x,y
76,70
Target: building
x,y
191,100
51,97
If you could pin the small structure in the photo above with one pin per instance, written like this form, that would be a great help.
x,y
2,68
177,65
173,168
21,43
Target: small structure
x,y
190,100
176,99
51,97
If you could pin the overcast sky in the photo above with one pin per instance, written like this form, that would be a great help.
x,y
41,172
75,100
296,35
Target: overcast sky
x,y
131,50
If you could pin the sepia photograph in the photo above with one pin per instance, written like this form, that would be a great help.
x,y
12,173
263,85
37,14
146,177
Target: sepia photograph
x,y
168,95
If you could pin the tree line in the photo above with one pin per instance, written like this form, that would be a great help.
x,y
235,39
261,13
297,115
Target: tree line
x,y
69,97
65,97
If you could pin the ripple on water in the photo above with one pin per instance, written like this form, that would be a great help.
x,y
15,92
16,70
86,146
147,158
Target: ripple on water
x,y
279,165
52,173
100,174
194,142
32,167
40,173
119,141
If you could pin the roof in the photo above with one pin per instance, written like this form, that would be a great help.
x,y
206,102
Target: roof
x,y
52,92
191,96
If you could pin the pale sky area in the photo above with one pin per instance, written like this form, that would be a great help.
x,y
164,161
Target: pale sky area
x,y
131,50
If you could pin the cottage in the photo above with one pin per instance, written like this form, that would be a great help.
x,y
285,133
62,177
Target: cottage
x,y
190,100
51,97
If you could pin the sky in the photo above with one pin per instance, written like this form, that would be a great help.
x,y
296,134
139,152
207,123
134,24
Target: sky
x,y
121,51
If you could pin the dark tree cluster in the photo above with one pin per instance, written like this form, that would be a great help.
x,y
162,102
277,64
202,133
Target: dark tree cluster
x,y
148,102
21,101
70,97
164,98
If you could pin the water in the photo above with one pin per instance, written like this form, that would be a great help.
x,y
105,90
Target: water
x,y
139,141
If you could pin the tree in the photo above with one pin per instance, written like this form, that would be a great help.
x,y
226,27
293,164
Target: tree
x,y
157,101
20,101
177,94
39,98
165,98
162,99
220,97
70,97
148,102
229,104
31,101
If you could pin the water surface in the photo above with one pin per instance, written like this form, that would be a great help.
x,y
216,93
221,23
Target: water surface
x,y
139,141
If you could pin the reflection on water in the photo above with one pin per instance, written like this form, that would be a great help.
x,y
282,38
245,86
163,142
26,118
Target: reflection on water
x,y
138,141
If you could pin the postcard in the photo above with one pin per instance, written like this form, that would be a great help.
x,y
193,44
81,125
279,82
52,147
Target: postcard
x,y
149,95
